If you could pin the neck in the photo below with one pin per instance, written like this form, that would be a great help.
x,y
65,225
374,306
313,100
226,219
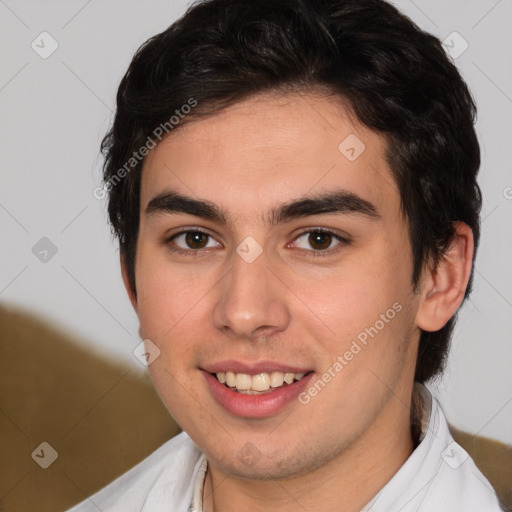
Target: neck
x,y
346,483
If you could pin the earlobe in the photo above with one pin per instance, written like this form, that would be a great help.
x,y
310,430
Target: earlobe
x,y
127,283
443,287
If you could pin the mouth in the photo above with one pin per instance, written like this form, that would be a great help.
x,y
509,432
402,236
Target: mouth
x,y
258,384
259,390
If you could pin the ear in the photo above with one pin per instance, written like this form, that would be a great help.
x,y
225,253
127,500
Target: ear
x,y
442,288
127,284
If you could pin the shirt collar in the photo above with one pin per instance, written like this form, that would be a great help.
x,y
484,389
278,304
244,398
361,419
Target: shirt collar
x,y
197,497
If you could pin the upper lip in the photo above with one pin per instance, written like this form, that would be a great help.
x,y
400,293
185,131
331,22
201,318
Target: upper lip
x,y
253,368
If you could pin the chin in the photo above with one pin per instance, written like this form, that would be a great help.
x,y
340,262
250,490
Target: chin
x,y
251,463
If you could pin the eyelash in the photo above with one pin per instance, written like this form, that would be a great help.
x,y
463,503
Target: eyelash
x,y
327,252
185,252
312,253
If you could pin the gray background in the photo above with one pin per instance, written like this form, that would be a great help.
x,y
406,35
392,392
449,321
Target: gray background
x,y
54,112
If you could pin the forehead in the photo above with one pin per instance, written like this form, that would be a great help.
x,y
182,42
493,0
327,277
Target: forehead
x,y
268,149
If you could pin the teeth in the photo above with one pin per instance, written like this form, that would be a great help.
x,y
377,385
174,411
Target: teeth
x,y
230,379
243,382
288,377
276,379
261,382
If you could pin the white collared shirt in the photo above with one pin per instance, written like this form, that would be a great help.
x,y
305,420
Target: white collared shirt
x,y
439,476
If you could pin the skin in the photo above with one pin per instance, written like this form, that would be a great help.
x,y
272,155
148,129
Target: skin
x,y
290,306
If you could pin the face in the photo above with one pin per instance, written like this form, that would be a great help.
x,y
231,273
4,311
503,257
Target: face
x,y
273,254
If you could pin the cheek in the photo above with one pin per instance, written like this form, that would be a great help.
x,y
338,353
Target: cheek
x,y
365,359
169,298
172,309
369,310
354,297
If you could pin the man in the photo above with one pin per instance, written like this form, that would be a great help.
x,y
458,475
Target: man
x,y
293,185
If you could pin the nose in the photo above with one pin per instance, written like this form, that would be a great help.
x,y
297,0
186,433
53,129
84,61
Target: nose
x,y
251,302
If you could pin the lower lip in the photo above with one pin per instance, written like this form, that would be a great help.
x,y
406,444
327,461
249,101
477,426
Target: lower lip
x,y
255,406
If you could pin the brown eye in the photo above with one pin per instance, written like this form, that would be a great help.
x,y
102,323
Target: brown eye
x,y
190,241
196,239
319,240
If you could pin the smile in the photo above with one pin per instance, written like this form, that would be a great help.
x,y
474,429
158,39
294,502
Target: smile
x,y
255,390
260,383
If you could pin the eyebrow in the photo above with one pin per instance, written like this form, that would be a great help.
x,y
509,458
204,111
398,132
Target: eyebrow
x,y
340,201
